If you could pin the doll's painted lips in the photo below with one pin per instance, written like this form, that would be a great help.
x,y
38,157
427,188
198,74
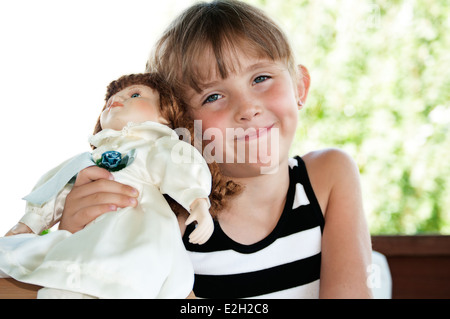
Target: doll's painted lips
x,y
114,104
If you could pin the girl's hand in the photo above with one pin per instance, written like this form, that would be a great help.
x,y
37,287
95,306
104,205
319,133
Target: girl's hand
x,y
205,227
93,194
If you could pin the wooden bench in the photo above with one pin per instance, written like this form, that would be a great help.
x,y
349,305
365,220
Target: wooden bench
x,y
13,289
419,266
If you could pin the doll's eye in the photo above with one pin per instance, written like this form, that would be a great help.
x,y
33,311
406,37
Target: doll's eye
x,y
135,95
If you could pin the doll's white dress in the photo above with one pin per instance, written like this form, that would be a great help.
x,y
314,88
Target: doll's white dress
x,y
129,253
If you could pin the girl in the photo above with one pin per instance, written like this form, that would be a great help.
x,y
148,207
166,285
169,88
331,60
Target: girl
x,y
298,231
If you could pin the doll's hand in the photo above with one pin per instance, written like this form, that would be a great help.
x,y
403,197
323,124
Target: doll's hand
x,y
205,227
19,228
93,194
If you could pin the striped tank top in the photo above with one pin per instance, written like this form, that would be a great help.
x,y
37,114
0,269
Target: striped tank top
x,y
285,264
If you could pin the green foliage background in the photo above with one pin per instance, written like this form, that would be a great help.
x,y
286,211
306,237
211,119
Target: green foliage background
x,y
380,90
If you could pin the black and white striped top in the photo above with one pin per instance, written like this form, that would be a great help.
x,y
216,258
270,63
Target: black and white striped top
x,y
285,264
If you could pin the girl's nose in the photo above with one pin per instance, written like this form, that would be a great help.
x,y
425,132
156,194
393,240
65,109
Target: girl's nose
x,y
247,110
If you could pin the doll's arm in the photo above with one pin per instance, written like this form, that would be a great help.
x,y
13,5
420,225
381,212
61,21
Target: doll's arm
x,y
186,178
19,228
199,212
45,203
38,218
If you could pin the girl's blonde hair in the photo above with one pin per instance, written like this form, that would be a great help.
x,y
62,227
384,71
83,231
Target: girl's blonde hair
x,y
223,28
175,113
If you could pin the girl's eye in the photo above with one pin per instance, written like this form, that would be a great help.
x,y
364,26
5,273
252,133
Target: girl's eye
x,y
261,78
135,95
212,98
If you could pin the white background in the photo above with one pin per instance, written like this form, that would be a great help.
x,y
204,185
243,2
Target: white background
x,y
56,59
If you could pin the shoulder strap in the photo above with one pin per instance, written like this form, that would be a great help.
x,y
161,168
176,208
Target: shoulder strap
x,y
303,178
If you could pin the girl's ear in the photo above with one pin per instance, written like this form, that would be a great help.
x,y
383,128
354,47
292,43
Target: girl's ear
x,y
303,82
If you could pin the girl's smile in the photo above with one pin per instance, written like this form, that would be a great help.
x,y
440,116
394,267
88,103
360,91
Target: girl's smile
x,y
254,133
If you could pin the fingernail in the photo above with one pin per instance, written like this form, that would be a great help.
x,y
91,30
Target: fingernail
x,y
133,201
134,192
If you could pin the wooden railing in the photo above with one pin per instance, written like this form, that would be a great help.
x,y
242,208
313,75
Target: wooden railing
x,y
419,266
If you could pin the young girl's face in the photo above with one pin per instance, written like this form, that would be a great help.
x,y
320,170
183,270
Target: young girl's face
x,y
136,103
258,102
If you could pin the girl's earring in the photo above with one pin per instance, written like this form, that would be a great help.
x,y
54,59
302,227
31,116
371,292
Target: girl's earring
x,y
300,104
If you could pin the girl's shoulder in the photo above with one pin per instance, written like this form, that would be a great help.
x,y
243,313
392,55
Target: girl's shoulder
x,y
328,158
329,169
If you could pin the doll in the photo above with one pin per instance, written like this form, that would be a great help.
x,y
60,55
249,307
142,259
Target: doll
x,y
134,252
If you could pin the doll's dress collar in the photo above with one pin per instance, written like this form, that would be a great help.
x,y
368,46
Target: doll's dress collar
x,y
148,131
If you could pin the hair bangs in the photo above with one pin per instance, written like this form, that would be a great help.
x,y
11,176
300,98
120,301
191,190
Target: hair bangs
x,y
217,33
217,53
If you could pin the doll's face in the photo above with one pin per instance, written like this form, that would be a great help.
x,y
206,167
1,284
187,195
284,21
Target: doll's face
x,y
136,103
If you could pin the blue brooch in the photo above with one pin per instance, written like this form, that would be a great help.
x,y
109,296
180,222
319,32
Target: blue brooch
x,y
113,161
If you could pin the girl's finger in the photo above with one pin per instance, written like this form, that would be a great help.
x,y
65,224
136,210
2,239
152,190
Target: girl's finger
x,y
91,174
103,186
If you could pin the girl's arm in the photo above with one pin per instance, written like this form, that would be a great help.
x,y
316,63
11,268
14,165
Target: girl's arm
x,y
346,245
93,194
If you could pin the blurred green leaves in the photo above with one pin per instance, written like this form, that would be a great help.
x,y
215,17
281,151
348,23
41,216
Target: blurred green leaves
x,y
380,90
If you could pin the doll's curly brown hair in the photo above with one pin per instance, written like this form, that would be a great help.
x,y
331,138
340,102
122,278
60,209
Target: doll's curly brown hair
x,y
175,113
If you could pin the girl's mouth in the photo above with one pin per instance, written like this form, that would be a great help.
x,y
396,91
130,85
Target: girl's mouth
x,y
253,133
